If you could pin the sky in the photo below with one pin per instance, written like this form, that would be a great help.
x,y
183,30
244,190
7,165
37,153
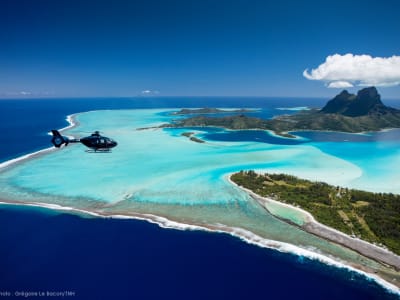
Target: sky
x,y
282,48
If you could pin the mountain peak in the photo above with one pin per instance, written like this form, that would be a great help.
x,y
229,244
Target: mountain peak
x,y
338,104
344,93
367,101
370,95
368,92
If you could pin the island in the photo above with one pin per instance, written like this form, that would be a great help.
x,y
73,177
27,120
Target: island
x,y
208,110
373,217
179,183
345,113
191,137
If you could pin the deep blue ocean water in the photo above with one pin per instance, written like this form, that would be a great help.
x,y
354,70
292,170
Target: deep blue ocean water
x,y
44,250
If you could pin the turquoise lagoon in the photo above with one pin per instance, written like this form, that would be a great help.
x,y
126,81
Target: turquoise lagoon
x,y
159,172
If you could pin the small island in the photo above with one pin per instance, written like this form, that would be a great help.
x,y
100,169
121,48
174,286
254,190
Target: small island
x,y
192,138
345,113
207,110
373,217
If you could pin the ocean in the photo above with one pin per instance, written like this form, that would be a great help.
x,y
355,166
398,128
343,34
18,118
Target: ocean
x,y
82,257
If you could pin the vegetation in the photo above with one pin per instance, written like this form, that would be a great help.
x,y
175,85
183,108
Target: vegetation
x,y
346,113
207,110
366,102
191,137
231,122
305,120
374,217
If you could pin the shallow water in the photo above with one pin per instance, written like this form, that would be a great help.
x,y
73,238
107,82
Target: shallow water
x,y
160,172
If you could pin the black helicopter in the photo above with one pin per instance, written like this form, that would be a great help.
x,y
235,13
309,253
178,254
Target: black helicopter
x,y
95,141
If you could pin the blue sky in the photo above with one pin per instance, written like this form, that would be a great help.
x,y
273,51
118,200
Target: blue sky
x,y
81,48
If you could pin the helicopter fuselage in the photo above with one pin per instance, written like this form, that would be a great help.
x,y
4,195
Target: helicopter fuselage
x,y
98,142
95,141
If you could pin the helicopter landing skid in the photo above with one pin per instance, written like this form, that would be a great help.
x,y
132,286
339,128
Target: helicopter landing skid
x,y
99,151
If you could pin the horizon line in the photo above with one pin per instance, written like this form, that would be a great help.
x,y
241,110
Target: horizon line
x,y
166,96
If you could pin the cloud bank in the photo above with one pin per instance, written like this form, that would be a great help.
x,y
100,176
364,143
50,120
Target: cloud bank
x,y
342,71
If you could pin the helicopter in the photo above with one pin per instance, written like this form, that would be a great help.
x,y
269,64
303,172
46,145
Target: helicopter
x,y
96,142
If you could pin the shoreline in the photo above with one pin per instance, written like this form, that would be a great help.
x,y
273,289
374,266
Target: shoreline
x,y
163,222
312,226
72,124
237,232
364,133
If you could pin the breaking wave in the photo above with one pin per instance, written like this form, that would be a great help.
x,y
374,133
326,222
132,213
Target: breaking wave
x,y
244,235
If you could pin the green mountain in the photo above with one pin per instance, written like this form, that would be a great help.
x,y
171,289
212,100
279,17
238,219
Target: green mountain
x,y
339,104
366,102
346,113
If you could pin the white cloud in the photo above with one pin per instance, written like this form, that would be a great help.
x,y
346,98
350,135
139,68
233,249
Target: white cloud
x,y
26,94
149,92
339,84
340,71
